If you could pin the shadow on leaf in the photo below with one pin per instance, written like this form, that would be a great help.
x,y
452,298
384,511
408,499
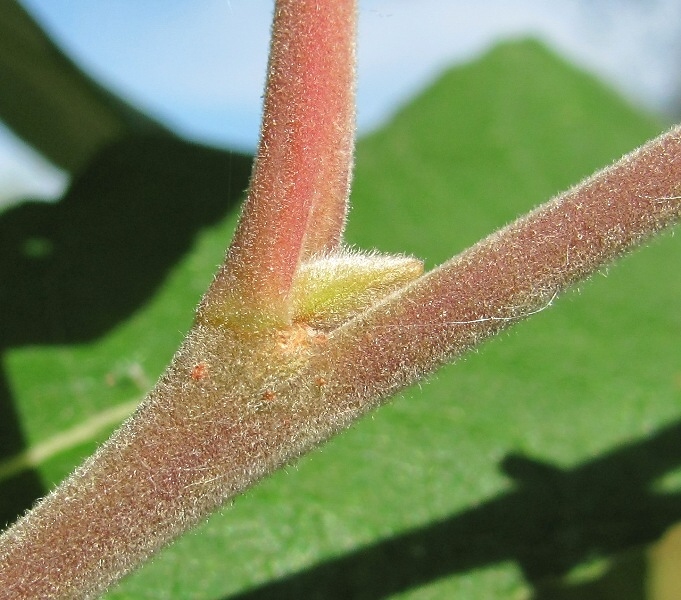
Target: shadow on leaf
x,y
553,521
73,270
623,579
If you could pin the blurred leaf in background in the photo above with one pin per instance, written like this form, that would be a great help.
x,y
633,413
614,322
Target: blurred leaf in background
x,y
536,467
50,103
74,270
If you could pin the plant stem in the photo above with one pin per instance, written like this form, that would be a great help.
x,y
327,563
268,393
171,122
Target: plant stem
x,y
508,276
298,194
211,426
250,390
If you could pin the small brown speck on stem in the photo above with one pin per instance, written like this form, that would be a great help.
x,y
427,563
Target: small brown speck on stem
x,y
199,372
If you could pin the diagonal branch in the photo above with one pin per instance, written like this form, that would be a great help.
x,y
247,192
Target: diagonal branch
x,y
238,400
513,273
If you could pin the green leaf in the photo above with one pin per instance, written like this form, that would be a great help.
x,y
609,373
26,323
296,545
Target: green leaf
x,y
78,276
530,469
50,103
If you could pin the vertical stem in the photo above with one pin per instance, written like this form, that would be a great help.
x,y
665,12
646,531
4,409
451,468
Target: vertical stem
x,y
297,200
213,424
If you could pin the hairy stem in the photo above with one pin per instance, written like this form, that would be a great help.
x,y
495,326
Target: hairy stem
x,y
511,274
192,442
244,396
298,194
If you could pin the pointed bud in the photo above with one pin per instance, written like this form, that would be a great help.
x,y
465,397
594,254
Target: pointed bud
x,y
331,289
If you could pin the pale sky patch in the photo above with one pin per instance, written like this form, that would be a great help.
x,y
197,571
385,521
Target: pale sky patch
x,y
199,65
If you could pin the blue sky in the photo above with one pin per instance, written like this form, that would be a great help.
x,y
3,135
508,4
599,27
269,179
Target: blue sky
x,y
199,65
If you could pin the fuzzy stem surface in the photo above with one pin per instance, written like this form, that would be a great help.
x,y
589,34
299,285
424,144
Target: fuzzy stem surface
x,y
238,402
297,199
513,273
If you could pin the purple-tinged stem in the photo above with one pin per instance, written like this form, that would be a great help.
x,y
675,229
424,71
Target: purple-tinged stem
x,y
511,274
236,404
214,424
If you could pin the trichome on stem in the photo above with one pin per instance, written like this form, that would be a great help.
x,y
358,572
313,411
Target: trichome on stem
x,y
298,337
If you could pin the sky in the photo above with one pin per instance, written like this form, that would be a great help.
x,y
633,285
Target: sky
x,y
199,65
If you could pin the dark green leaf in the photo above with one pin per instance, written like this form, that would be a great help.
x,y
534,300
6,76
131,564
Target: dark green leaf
x,y
50,103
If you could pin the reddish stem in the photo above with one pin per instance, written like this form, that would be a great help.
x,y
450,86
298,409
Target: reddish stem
x,y
510,275
235,404
297,200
